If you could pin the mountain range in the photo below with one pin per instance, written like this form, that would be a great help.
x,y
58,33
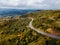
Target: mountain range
x,y
12,12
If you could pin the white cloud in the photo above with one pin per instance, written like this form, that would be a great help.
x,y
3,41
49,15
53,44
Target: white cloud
x,y
58,2
31,4
9,2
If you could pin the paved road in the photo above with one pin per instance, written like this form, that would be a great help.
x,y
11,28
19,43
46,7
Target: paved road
x,y
43,33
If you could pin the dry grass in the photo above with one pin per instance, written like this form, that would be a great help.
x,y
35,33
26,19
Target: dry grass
x,y
52,31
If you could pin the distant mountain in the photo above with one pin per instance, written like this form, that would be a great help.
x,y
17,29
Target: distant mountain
x,y
6,12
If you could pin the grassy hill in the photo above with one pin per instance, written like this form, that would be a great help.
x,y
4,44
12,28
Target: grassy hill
x,y
47,19
16,31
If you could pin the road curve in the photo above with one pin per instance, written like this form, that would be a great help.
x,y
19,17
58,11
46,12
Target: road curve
x,y
43,33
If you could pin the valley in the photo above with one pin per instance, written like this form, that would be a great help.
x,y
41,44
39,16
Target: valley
x,y
31,28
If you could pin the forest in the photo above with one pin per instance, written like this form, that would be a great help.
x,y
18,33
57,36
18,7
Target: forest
x,y
16,31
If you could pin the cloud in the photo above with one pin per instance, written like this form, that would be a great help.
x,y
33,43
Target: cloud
x,y
19,2
30,4
9,2
53,4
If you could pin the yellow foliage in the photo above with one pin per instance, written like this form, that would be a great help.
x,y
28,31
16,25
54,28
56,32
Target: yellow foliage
x,y
20,35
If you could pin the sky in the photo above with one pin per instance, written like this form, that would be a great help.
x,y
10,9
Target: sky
x,y
30,4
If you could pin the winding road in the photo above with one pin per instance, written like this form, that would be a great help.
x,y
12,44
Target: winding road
x,y
43,33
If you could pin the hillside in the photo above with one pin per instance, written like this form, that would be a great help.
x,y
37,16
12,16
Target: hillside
x,y
16,30
46,19
13,12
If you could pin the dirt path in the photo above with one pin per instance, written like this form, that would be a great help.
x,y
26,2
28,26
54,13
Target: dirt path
x,y
43,33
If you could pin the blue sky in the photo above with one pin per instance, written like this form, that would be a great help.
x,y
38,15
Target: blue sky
x,y
30,4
